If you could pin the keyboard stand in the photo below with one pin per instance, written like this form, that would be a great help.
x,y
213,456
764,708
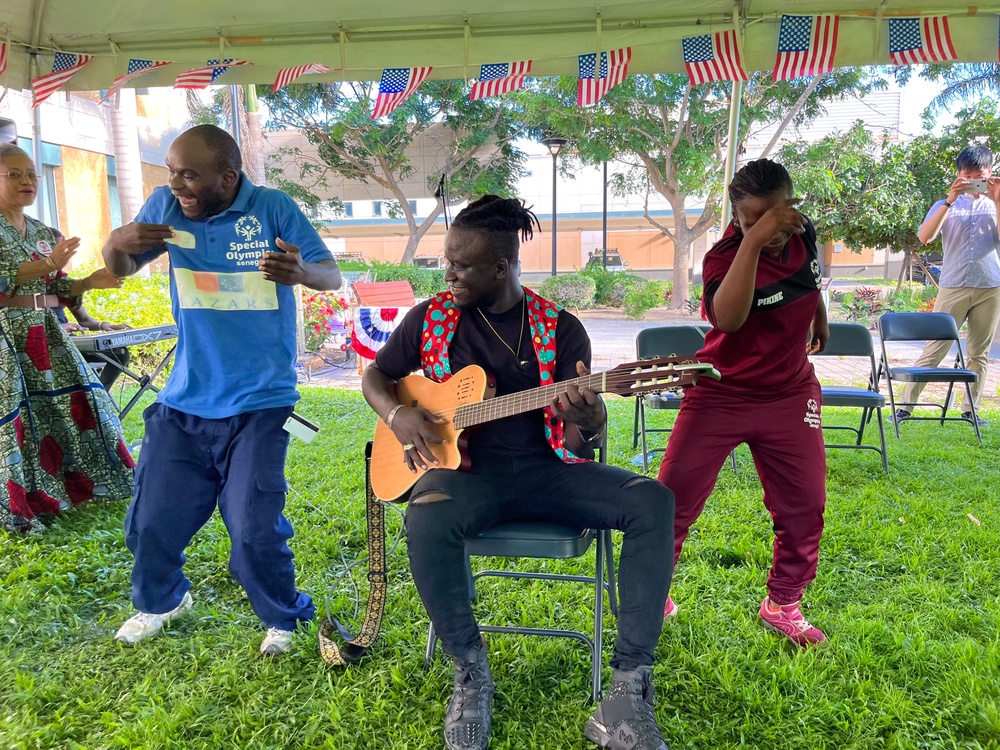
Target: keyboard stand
x,y
146,382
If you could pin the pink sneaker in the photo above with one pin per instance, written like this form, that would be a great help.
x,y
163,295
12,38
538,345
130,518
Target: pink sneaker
x,y
788,621
669,609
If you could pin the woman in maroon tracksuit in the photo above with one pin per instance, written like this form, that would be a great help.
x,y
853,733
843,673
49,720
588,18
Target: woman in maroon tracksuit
x,y
762,282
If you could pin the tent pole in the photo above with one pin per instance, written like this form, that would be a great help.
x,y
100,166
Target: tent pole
x,y
736,99
234,113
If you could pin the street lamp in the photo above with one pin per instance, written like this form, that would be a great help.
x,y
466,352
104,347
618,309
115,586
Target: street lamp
x,y
554,145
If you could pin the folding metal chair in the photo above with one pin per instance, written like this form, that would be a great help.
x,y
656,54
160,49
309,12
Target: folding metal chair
x,y
663,341
929,326
549,541
855,340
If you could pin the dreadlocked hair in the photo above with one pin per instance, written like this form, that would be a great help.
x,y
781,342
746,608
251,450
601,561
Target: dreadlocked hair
x,y
504,222
759,179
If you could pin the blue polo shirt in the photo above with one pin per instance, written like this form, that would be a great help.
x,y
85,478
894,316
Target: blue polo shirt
x,y
235,331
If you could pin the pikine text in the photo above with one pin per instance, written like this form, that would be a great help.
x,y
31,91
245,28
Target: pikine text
x,y
247,253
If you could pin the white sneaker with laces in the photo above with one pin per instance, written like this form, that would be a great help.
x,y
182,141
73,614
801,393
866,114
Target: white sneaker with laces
x,y
145,625
276,642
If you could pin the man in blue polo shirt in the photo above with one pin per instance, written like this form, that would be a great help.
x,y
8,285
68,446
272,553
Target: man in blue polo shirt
x,y
214,436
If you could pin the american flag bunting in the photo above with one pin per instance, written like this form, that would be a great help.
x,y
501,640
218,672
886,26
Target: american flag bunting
x,y
201,78
913,41
806,46
64,66
3,57
499,78
598,78
397,85
713,57
135,69
287,75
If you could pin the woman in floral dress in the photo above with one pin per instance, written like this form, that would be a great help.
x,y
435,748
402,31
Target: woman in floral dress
x,y
60,439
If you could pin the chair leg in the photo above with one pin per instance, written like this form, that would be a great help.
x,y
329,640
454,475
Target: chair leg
x,y
947,402
892,404
431,647
597,648
635,424
881,437
732,457
642,433
864,420
612,578
972,408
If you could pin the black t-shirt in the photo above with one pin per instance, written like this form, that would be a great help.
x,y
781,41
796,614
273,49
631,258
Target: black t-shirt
x,y
475,344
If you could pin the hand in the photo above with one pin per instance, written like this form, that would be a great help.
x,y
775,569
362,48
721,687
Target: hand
x,y
413,426
958,187
72,327
581,406
819,336
64,251
778,224
993,191
103,325
138,237
102,278
284,268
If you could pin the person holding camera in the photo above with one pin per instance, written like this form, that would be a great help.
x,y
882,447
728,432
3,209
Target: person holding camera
x,y
970,270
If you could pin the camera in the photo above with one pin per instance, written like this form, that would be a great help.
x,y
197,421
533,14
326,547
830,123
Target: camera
x,y
978,186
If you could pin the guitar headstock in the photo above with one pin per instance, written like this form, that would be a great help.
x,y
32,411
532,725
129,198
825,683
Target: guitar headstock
x,y
660,374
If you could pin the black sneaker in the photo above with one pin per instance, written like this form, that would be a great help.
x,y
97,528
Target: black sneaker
x,y
901,415
470,710
967,416
624,720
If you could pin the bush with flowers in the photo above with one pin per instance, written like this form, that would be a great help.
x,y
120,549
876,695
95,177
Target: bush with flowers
x,y
324,314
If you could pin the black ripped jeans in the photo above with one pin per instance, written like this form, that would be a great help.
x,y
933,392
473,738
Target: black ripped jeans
x,y
448,506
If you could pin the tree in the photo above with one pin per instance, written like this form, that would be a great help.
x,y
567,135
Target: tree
x,y
874,192
673,137
475,141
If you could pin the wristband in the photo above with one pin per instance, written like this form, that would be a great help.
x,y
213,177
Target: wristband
x,y
949,205
50,263
392,413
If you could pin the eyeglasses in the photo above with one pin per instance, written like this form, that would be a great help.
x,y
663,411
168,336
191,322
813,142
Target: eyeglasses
x,y
18,176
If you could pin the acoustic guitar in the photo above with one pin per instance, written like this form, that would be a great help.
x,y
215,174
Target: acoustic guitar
x,y
467,399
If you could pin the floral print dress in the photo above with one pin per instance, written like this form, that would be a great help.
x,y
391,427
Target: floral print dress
x,y
61,443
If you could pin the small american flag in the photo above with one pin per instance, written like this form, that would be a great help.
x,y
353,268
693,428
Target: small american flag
x,y
920,40
806,46
3,57
64,66
598,78
135,69
499,78
201,78
713,57
397,85
287,75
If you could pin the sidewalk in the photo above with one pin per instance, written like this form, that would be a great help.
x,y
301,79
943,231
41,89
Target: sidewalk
x,y
613,339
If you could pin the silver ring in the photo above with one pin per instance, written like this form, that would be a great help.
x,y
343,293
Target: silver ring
x,y
408,447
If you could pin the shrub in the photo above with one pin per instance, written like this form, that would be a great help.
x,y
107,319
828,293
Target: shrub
x,y
693,303
426,282
574,290
322,314
642,295
863,304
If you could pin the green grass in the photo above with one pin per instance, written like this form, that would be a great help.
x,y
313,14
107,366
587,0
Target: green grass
x,y
908,592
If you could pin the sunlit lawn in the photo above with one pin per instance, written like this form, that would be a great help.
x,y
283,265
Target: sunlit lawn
x,y
908,592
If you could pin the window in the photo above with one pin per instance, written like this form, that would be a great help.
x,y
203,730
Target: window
x,y
413,207
114,202
50,210
838,247
376,208
348,210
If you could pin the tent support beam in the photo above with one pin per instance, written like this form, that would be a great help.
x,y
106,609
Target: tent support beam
x,y
736,99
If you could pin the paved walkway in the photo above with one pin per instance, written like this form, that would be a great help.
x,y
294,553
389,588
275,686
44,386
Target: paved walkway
x,y
613,339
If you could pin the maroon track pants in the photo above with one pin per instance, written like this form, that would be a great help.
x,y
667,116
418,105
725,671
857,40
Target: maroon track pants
x,y
786,442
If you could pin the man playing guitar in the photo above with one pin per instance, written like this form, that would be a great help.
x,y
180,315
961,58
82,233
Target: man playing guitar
x,y
529,466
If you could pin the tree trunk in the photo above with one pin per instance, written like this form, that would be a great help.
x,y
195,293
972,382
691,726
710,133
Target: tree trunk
x,y
682,269
253,139
417,233
128,167
907,261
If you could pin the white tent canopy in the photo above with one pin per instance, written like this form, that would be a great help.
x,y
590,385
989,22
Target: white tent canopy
x,y
361,37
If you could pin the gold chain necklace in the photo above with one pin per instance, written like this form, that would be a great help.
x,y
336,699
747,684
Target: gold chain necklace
x,y
520,337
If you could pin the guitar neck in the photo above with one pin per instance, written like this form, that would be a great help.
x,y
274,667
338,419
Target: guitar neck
x,y
471,415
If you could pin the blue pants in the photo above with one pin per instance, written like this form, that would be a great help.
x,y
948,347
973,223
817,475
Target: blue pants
x,y
187,466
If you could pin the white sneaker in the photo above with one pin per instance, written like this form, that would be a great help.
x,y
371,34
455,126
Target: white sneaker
x,y
145,625
276,642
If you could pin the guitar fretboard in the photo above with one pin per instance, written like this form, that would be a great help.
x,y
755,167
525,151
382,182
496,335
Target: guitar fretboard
x,y
518,403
